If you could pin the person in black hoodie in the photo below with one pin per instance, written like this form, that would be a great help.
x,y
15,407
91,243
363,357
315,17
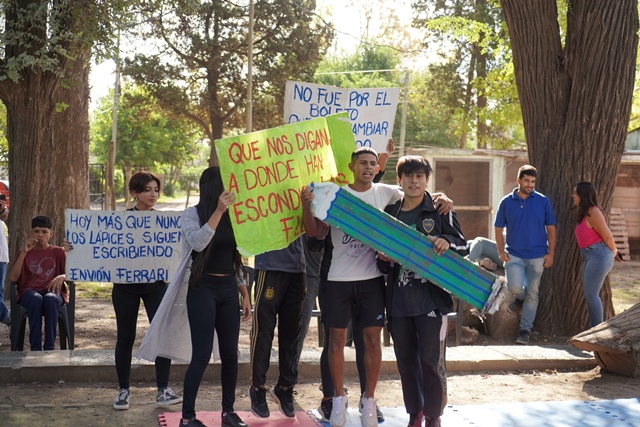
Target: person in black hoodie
x,y
416,308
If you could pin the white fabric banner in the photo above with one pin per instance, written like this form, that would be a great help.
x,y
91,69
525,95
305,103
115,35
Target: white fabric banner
x,y
122,247
371,111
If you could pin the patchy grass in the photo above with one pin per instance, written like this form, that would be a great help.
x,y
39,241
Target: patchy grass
x,y
102,291
625,285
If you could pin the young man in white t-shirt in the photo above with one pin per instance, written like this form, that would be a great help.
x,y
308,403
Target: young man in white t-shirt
x,y
356,288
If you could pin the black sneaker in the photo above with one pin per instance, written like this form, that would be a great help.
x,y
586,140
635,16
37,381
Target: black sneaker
x,y
232,419
167,397
122,399
515,305
258,397
325,408
523,337
284,397
193,422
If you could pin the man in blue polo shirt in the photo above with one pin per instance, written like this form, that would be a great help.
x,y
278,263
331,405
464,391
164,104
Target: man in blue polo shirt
x,y
530,245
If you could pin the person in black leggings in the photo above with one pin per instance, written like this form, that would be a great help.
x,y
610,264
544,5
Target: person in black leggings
x,y
212,298
126,297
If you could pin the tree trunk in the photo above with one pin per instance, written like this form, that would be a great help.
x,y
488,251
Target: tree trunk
x,y
217,127
31,169
481,98
127,171
468,101
575,104
48,150
70,179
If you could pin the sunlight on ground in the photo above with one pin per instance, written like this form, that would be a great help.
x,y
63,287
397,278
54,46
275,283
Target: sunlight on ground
x,y
625,285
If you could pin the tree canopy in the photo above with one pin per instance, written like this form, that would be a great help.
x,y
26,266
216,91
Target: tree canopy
x,y
196,61
474,46
44,87
148,137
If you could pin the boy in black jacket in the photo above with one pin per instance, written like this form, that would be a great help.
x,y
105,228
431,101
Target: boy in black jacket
x,y
416,308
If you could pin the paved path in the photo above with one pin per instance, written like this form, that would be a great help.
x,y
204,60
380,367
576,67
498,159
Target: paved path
x,y
98,365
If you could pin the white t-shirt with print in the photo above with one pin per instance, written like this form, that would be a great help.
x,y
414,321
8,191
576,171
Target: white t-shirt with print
x,y
351,259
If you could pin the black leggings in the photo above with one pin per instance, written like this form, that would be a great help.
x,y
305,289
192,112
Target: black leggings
x,y
214,304
126,303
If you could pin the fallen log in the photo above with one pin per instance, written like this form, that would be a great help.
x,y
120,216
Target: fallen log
x,y
615,343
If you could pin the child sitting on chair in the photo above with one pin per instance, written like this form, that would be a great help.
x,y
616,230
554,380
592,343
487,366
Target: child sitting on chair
x,y
39,271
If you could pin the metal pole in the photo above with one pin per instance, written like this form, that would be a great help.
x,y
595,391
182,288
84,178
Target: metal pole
x,y
250,70
405,106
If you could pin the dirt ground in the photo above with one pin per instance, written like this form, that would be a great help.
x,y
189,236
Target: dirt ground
x,y
45,404
89,404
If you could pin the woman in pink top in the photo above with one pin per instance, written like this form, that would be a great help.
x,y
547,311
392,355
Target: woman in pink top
x,y
597,247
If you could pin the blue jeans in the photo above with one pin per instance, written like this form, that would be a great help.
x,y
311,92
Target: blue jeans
x,y
523,281
481,248
597,262
4,311
36,304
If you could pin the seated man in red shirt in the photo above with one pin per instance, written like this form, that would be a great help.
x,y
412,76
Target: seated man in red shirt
x,y
39,271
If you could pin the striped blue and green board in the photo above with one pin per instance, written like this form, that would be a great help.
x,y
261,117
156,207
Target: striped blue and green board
x,y
382,232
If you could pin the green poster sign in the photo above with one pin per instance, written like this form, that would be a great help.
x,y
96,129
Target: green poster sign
x,y
267,170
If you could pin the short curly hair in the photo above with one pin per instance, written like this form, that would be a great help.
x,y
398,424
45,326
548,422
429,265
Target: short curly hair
x,y
42,221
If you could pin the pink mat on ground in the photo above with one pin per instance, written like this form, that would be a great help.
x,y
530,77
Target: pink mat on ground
x,y
212,419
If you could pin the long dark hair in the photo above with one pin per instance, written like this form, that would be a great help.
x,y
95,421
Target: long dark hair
x,y
588,198
210,190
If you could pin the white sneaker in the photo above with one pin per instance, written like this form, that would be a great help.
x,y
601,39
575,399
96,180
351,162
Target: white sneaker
x,y
339,411
368,411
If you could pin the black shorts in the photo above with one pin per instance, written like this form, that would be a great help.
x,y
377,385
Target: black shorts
x,y
362,299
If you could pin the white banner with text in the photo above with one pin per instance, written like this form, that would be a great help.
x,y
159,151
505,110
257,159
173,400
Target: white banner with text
x,y
122,247
371,111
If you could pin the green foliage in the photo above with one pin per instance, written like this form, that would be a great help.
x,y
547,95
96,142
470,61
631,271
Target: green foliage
x,y
343,70
473,84
434,107
169,189
147,136
634,121
101,291
190,177
42,35
61,106
199,69
118,183
435,104
475,46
